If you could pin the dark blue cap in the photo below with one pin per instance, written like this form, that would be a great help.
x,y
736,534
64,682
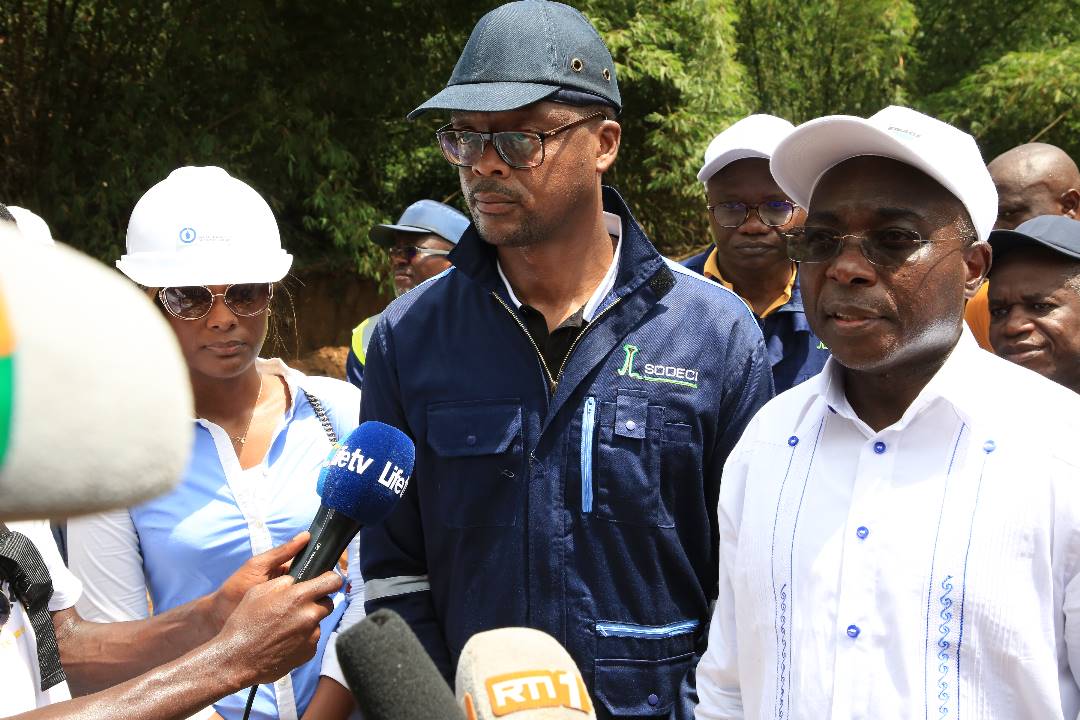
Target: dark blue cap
x,y
527,51
423,217
1056,232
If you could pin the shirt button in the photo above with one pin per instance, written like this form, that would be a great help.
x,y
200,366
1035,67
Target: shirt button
x,y
988,446
853,631
631,425
793,441
862,532
470,440
653,699
879,447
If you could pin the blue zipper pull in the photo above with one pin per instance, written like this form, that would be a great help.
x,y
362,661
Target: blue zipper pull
x,y
588,424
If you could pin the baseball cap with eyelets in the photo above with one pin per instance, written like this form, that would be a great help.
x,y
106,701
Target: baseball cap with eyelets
x,y
527,51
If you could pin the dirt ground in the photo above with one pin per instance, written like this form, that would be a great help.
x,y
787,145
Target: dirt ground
x,y
328,361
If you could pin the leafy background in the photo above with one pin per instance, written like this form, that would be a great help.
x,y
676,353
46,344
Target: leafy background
x,y
306,101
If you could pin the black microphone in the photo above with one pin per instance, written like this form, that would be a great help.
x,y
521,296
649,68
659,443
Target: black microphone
x,y
390,674
362,480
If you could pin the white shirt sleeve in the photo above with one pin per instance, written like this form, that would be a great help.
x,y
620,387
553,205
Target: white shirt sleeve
x,y
66,587
103,552
719,691
354,613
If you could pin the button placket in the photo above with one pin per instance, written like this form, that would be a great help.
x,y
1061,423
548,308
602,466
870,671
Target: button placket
x,y
855,598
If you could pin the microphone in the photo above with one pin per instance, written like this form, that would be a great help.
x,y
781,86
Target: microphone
x,y
390,674
520,670
362,480
95,398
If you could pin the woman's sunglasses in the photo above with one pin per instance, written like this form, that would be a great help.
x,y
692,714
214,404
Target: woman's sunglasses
x,y
192,302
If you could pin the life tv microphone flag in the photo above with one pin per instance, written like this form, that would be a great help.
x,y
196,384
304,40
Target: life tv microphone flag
x,y
390,674
521,674
95,399
362,481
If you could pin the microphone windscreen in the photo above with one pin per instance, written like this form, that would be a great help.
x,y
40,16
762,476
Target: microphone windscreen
x,y
95,398
522,673
390,674
367,473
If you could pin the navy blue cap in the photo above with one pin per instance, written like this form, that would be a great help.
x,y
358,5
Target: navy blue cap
x,y
423,217
1056,232
524,52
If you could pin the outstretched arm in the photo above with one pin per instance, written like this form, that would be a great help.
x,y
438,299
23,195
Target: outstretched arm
x,y
274,629
99,655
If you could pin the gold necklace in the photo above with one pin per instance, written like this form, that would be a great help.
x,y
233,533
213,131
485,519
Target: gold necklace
x,y
242,439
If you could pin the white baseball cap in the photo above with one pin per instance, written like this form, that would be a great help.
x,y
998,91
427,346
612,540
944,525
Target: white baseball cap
x,y
945,153
31,225
201,226
755,136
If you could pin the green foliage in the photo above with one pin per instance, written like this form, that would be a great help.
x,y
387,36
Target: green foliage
x,y
826,57
100,99
1004,70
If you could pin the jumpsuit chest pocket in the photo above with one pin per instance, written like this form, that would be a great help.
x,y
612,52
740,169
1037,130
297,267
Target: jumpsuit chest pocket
x,y
631,458
477,466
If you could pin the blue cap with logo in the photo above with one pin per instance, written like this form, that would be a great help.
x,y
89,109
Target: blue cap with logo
x,y
1055,232
527,51
423,217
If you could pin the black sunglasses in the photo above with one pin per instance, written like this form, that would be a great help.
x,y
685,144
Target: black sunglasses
x,y
409,252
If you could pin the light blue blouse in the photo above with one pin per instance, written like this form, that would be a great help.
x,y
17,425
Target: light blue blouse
x,y
193,538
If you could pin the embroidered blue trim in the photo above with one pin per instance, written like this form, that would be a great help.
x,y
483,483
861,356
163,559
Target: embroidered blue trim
x,y
779,607
937,534
588,423
963,587
608,629
943,642
783,679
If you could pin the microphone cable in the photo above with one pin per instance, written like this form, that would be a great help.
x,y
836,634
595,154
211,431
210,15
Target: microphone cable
x,y
251,701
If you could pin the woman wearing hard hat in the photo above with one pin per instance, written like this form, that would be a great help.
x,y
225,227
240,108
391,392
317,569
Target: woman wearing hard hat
x,y
207,246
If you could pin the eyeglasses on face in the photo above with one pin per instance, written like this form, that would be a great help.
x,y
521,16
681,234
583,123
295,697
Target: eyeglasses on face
x,y
518,148
886,248
193,302
409,252
774,213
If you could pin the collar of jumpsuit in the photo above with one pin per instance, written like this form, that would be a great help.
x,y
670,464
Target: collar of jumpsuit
x,y
930,568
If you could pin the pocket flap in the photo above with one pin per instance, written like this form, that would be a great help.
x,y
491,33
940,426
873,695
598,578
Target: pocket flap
x,y
475,427
631,414
638,688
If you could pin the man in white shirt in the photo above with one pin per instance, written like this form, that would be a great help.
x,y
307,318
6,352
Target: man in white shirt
x,y
900,536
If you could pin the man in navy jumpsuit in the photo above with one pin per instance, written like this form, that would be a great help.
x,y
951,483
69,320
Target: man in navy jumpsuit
x,y
573,395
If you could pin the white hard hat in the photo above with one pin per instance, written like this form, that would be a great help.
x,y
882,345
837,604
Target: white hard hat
x,y
201,226
31,226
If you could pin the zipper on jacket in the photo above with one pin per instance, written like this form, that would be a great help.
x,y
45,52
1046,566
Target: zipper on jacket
x,y
552,383
588,423
606,629
570,350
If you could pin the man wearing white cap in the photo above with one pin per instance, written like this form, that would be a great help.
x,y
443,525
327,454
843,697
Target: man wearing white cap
x,y
897,540
748,212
